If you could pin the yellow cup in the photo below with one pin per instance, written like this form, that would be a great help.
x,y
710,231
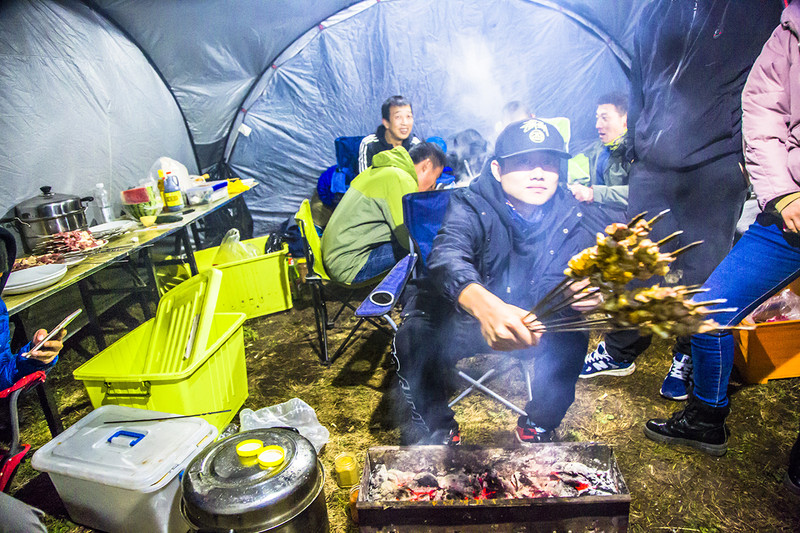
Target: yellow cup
x,y
345,466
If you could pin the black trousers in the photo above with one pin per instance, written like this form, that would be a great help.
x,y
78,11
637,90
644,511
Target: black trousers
x,y
705,203
428,345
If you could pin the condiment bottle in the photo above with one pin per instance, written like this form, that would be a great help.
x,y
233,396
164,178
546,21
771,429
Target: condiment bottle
x,y
173,198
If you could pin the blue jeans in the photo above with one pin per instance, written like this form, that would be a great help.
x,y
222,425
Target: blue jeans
x,y
763,262
380,261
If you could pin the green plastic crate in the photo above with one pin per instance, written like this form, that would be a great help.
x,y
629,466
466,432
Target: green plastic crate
x,y
186,360
256,287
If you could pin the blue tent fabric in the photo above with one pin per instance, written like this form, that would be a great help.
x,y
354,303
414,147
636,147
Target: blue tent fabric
x,y
96,91
461,63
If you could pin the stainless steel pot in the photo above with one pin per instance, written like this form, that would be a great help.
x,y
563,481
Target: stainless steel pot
x,y
47,214
223,492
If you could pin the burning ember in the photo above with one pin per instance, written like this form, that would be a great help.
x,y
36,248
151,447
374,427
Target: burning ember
x,y
573,486
511,478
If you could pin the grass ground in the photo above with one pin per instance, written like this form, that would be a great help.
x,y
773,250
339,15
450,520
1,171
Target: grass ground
x,y
673,489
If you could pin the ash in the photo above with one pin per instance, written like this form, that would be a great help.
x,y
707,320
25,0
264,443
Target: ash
x,y
562,479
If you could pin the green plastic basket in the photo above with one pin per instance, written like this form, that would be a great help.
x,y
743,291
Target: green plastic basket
x,y
186,360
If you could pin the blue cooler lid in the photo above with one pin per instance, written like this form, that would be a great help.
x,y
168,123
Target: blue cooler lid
x,y
140,456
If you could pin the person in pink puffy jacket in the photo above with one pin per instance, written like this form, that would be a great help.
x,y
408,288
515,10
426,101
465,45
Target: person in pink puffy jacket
x,y
767,257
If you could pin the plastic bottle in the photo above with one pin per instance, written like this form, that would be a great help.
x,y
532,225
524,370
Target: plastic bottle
x,y
161,185
103,204
173,198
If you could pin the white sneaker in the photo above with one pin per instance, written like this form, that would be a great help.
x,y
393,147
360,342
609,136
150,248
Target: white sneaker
x,y
599,363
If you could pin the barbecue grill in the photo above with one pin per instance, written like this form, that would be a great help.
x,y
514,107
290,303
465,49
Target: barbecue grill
x,y
590,511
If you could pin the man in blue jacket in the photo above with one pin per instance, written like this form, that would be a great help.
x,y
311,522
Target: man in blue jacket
x,y
504,243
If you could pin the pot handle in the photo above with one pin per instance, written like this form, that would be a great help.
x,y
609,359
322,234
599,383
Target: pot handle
x,y
87,199
13,219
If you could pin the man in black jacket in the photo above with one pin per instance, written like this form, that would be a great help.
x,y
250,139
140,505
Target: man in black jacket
x,y
504,243
395,130
691,59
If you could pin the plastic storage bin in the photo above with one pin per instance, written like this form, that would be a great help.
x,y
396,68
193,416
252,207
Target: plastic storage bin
x,y
257,286
186,360
771,351
123,477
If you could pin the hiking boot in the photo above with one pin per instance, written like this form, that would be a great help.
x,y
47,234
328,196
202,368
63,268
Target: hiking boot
x,y
449,436
792,479
599,363
528,432
699,425
678,381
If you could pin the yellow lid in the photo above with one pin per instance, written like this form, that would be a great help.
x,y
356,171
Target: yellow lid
x,y
249,448
271,456
160,173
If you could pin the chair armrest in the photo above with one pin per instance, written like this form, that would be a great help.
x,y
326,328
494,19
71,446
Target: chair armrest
x,y
388,289
25,382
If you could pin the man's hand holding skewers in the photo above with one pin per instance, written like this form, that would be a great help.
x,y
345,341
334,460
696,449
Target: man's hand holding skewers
x,y
505,327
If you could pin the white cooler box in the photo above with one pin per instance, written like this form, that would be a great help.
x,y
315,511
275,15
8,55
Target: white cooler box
x,y
123,476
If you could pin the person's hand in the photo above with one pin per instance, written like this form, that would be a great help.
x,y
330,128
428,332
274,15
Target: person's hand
x,y
50,349
582,193
505,327
579,289
791,217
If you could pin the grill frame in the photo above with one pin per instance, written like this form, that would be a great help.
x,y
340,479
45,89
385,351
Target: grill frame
x,y
607,513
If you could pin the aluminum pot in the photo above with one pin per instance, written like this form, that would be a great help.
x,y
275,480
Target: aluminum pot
x,y
49,213
224,492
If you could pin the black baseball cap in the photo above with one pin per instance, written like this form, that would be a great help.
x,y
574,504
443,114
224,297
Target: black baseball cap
x,y
530,135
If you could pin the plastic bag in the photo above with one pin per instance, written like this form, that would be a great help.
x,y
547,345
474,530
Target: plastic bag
x,y
295,413
170,165
782,306
232,249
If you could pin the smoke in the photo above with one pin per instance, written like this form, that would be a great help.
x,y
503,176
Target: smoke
x,y
473,84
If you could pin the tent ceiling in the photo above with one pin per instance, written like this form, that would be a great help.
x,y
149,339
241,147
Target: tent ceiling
x,y
458,62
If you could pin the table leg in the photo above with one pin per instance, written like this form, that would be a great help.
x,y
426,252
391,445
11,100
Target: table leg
x,y
91,314
51,414
19,338
198,243
187,247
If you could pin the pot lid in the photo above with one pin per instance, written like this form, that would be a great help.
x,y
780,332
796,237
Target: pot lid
x,y
227,489
48,205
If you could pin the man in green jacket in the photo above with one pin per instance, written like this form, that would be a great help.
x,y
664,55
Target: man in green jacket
x,y
365,235
600,173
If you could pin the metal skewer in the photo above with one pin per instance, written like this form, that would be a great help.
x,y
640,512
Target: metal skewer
x,y
164,417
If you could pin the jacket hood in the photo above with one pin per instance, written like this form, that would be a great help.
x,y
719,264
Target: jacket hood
x,y
396,157
790,18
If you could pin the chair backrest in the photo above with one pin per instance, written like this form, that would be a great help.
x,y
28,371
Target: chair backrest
x,y
423,214
8,253
311,242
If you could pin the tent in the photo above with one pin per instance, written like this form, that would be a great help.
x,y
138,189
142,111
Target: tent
x,y
96,91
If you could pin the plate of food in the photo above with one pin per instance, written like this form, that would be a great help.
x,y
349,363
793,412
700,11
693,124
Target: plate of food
x,y
71,243
34,278
23,263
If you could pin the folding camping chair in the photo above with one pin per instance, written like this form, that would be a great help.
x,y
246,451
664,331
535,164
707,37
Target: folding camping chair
x,y
12,457
317,278
423,214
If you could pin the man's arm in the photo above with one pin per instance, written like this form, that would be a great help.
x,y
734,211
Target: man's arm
x,y
364,153
504,326
616,195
